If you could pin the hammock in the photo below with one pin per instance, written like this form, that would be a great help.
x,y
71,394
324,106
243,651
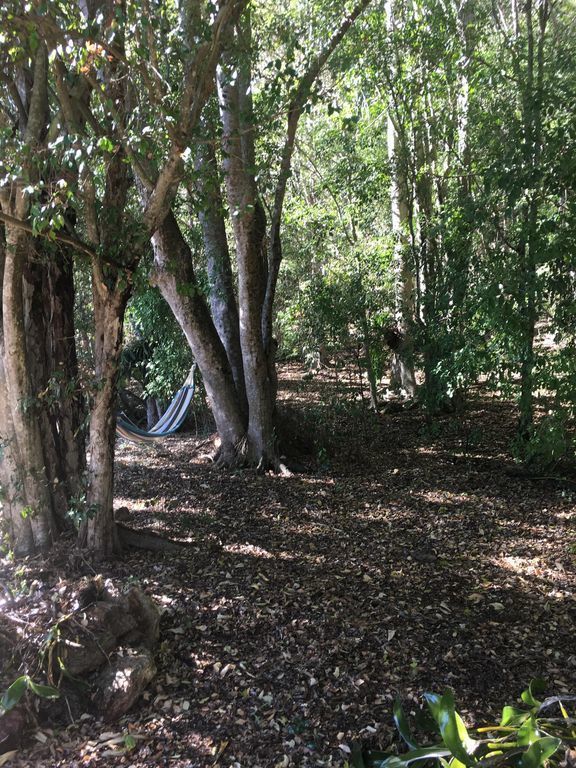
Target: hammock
x,y
169,423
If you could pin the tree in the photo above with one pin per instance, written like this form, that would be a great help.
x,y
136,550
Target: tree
x,y
40,418
243,403
84,52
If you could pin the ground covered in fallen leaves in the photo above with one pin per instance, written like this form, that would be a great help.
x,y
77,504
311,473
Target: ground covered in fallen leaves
x,y
406,557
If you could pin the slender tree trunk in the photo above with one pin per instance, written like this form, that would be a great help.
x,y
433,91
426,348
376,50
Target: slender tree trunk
x,y
68,411
532,97
248,222
402,369
100,531
403,376
222,297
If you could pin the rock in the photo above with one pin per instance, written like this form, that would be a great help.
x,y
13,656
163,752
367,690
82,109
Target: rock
x,y
146,616
122,514
81,654
12,724
120,684
90,635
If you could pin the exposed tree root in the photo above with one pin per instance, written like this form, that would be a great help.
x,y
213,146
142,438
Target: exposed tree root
x,y
152,542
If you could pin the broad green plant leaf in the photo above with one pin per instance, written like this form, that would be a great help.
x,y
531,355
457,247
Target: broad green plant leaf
x,y
538,753
43,691
402,725
357,757
19,687
433,701
513,716
382,760
452,728
528,732
536,688
14,693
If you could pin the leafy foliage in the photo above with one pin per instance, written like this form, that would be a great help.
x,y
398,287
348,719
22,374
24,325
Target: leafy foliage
x,y
156,353
525,738
20,686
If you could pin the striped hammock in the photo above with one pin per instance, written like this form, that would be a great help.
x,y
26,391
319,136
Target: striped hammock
x,y
169,423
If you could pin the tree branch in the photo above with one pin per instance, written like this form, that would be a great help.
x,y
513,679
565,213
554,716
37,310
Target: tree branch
x,y
65,239
295,110
198,85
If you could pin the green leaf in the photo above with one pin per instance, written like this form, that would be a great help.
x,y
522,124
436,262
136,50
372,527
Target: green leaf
x,y
14,693
528,732
44,691
357,757
536,687
513,716
105,144
452,728
538,753
433,701
402,725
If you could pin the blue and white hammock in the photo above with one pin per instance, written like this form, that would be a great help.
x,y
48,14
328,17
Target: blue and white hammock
x,y
169,423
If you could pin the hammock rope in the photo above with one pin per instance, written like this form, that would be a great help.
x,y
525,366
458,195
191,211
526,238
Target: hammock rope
x,y
170,421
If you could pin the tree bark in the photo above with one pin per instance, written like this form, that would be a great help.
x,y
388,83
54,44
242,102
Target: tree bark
x,y
222,297
99,533
18,526
249,227
174,276
49,306
35,500
402,369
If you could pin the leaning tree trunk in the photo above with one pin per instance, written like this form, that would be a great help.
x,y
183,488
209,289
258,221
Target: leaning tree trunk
x,y
174,276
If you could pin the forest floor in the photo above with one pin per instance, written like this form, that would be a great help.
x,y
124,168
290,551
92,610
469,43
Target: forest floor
x,y
406,559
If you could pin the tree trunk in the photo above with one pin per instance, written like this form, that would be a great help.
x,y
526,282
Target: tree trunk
x,y
100,532
68,412
18,526
532,99
402,368
249,227
51,352
174,276
222,298
35,501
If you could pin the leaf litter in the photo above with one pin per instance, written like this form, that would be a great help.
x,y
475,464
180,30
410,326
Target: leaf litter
x,y
398,563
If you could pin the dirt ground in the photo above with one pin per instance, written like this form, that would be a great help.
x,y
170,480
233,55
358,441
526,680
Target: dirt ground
x,y
405,558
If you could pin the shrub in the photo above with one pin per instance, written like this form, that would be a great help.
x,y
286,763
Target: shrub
x,y
525,738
